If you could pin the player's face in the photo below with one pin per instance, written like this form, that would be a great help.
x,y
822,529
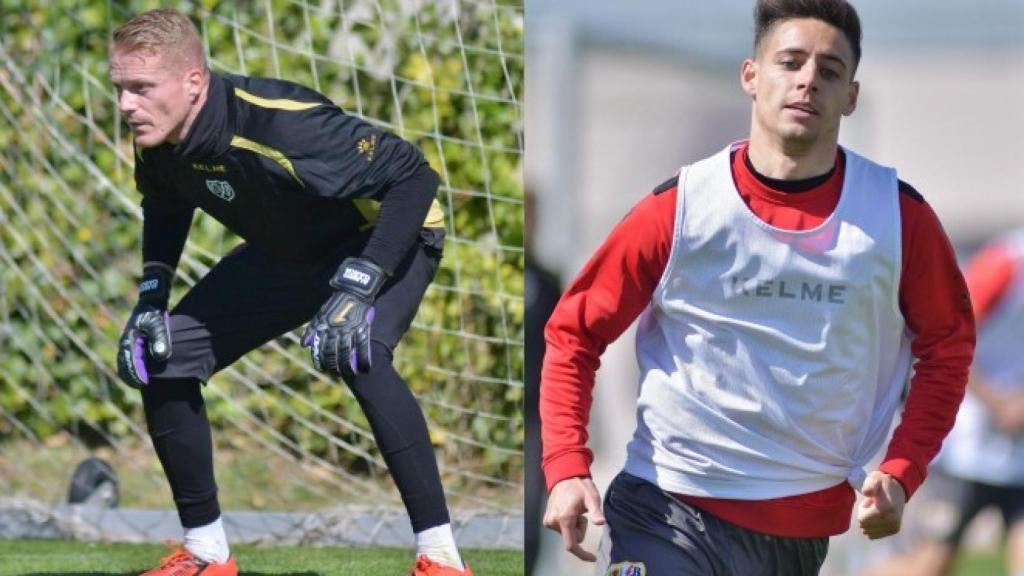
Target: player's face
x,y
154,98
801,81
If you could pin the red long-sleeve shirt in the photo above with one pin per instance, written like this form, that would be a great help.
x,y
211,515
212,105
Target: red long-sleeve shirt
x,y
618,282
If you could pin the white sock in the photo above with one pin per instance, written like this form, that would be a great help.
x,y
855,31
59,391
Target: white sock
x,y
438,544
208,543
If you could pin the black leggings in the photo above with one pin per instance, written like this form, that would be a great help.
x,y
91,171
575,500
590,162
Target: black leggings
x,y
246,300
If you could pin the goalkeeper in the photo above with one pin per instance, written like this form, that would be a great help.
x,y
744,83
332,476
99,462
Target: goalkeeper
x,y
783,286
342,230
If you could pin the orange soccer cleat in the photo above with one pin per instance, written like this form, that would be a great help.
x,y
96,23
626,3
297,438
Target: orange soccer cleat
x,y
183,563
427,567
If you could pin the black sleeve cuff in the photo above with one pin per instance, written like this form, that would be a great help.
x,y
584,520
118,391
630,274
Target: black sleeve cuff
x,y
403,209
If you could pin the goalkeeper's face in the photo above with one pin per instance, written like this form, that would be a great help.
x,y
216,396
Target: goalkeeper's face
x,y
157,99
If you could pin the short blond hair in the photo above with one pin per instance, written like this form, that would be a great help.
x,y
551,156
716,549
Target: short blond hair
x,y
165,32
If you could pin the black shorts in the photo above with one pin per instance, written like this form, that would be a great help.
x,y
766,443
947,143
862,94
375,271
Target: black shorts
x,y
949,504
652,533
248,299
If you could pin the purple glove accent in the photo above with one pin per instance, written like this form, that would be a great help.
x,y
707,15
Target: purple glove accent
x,y
148,331
353,360
370,314
138,359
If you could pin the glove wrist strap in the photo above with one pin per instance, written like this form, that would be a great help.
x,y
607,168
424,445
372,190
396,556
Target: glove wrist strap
x,y
155,287
359,276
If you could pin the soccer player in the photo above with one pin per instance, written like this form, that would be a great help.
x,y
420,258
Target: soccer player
x,y
983,457
783,287
342,230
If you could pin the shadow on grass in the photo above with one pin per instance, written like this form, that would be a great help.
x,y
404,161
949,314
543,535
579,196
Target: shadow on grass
x,y
245,573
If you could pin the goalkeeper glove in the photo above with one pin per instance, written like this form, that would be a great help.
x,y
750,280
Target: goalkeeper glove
x,y
339,334
148,330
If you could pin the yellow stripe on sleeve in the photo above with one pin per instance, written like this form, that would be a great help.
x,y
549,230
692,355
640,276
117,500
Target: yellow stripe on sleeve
x,y
276,103
272,153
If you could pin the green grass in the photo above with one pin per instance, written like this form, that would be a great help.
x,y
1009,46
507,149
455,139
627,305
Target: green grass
x,y
979,564
62,558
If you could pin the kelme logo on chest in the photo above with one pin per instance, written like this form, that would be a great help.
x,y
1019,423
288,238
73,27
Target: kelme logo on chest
x,y
789,289
206,167
221,189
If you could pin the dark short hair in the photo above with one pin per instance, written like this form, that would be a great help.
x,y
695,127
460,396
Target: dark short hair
x,y
837,13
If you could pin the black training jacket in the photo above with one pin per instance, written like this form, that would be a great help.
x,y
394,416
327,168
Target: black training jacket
x,y
284,168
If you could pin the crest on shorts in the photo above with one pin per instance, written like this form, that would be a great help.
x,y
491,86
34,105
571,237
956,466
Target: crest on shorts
x,y
627,569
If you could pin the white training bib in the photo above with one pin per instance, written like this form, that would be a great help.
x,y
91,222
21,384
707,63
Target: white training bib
x,y
772,361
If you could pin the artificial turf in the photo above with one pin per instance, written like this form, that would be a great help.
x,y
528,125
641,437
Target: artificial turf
x,y
66,558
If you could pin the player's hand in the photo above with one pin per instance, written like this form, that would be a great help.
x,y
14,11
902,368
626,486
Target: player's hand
x,y
147,330
880,512
1009,413
569,500
339,334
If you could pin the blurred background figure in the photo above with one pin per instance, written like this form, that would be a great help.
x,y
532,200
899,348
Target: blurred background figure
x,y
982,462
542,293
623,90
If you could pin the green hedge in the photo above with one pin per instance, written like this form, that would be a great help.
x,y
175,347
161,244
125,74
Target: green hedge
x,y
71,240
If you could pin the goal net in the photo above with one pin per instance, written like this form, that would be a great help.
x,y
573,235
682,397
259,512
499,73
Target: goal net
x,y
445,74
